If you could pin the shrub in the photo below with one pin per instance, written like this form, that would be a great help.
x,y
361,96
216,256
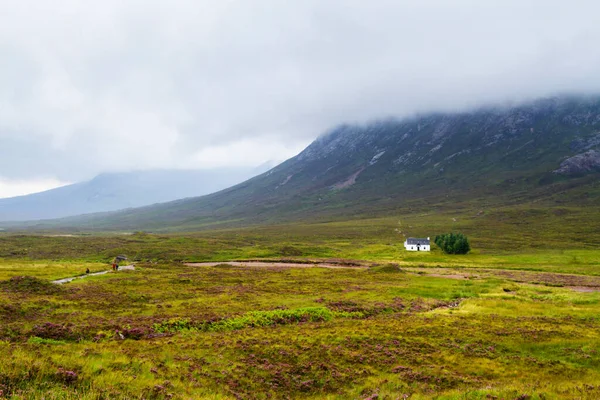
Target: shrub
x,y
274,317
39,340
453,243
66,376
49,330
174,325
134,333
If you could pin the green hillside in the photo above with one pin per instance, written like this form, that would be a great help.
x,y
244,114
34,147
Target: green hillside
x,y
541,156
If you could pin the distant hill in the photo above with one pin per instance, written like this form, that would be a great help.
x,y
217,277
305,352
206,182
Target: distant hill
x,y
547,152
117,191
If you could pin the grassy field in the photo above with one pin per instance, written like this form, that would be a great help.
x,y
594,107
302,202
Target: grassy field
x,y
500,323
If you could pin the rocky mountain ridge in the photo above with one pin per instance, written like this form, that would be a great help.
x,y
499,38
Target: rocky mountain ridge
x,y
529,152
558,135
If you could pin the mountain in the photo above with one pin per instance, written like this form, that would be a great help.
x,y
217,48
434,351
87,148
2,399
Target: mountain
x,y
545,152
116,191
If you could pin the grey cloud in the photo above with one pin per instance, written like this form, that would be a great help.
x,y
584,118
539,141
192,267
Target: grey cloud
x,y
94,86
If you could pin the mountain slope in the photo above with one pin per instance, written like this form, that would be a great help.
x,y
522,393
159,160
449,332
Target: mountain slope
x,y
546,151
116,191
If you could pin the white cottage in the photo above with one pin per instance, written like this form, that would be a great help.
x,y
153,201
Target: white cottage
x,y
416,244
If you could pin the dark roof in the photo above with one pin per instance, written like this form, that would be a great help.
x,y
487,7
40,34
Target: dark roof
x,y
417,241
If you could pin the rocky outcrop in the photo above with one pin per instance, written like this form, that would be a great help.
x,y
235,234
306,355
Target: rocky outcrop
x,y
351,180
581,144
581,163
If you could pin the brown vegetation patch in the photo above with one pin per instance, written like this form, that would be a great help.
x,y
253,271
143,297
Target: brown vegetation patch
x,y
396,306
548,278
48,330
435,379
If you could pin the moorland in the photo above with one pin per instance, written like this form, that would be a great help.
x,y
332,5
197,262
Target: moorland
x,y
517,318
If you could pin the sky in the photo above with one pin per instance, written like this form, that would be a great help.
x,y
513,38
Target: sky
x,y
96,86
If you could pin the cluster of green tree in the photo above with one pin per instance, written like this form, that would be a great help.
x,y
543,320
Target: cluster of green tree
x,y
453,243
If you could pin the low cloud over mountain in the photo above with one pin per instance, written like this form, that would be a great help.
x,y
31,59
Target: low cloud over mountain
x,y
120,85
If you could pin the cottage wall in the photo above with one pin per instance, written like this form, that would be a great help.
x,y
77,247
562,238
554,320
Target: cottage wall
x,y
413,247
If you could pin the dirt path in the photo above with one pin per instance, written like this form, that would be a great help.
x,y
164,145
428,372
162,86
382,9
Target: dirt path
x,y
263,264
449,276
584,289
67,280
578,283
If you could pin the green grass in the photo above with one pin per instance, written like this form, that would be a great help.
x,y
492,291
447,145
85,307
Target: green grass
x,y
221,332
47,269
557,240
397,327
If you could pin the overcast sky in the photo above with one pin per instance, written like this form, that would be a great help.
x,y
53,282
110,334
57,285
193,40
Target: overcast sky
x,y
94,86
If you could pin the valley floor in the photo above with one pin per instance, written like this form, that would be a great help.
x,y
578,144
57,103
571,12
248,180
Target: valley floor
x,y
490,325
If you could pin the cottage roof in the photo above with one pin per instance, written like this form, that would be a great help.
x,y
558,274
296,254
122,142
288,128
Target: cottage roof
x,y
417,241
